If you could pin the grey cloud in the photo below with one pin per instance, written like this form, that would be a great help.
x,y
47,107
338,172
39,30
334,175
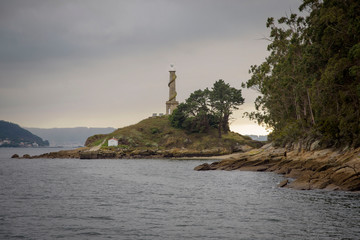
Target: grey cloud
x,y
37,29
67,57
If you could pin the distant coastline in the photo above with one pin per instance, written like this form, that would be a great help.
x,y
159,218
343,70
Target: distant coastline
x,y
68,137
12,135
261,138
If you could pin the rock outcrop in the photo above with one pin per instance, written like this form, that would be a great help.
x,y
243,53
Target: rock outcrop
x,y
75,153
116,153
330,169
149,153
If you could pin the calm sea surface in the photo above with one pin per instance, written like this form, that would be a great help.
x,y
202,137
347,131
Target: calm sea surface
x,y
161,199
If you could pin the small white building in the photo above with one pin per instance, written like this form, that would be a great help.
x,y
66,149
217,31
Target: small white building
x,y
113,142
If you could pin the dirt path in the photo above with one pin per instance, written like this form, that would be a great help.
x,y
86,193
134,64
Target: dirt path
x,y
96,148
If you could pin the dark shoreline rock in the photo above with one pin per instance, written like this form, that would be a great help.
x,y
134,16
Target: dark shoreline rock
x,y
329,169
283,183
88,153
74,153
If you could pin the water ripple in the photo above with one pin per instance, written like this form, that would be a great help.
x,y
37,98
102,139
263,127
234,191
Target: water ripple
x,y
160,199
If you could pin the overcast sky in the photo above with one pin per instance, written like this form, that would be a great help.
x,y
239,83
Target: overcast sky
x,y
105,63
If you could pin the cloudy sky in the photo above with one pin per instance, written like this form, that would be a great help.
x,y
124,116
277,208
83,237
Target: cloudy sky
x,y
105,63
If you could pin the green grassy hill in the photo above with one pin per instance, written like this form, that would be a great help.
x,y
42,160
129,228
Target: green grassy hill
x,y
157,134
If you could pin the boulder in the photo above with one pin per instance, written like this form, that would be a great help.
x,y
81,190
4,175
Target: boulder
x,y
315,145
298,147
283,183
15,156
89,155
242,148
203,167
106,155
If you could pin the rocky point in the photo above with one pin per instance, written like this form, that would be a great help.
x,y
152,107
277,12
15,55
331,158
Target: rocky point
x,y
330,169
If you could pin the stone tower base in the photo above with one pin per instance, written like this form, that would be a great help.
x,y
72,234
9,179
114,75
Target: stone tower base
x,y
170,106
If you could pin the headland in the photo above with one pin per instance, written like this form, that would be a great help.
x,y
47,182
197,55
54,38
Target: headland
x,y
154,137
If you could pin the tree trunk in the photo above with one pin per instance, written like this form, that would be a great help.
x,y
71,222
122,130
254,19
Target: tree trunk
x,y
219,127
310,108
225,124
297,109
305,107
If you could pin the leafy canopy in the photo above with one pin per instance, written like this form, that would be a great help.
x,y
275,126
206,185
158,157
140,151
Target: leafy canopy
x,y
206,109
310,82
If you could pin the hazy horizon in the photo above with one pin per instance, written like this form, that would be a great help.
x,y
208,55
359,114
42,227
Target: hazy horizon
x,y
105,63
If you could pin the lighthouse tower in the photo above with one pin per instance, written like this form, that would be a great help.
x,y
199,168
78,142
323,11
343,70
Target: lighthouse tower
x,y
171,104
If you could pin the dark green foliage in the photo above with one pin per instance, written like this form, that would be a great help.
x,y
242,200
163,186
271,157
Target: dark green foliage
x,y
206,109
178,117
310,82
155,130
223,100
16,135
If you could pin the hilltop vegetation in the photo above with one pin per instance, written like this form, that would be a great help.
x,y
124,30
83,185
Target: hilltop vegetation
x,y
310,82
157,134
207,109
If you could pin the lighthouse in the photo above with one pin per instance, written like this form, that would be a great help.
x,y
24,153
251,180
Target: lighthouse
x,y
171,104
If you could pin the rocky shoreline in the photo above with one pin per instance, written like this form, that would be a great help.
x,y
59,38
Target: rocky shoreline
x,y
329,169
303,169
97,153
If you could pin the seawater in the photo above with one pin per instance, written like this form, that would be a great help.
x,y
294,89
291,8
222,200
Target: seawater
x,y
161,199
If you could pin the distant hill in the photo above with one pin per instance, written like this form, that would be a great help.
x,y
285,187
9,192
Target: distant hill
x,y
12,135
68,137
261,138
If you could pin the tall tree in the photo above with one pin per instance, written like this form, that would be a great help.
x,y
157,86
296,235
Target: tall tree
x,y
310,82
205,109
223,100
